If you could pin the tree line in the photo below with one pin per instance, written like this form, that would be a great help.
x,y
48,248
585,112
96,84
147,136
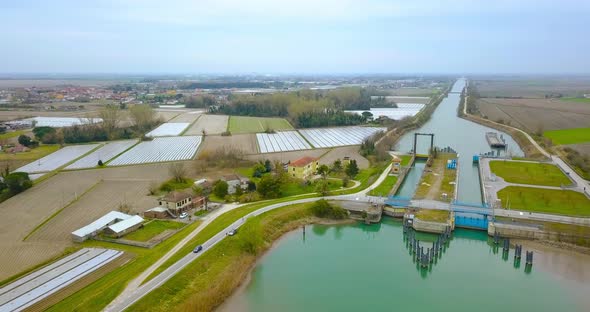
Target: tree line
x,y
304,108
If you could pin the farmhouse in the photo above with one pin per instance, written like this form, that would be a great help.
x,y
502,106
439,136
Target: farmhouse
x,y
303,168
234,181
177,202
108,221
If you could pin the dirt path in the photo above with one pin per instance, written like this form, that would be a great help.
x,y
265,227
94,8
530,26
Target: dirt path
x,y
435,187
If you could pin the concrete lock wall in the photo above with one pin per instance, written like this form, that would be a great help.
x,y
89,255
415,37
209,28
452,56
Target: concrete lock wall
x,y
430,227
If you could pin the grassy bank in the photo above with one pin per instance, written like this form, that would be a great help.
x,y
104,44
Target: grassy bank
x,y
529,173
385,187
100,293
205,283
545,201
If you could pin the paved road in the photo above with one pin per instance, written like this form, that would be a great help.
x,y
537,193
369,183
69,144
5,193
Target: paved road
x,y
125,301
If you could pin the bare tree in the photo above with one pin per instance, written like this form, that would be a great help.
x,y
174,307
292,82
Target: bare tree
x,y
111,116
177,171
143,116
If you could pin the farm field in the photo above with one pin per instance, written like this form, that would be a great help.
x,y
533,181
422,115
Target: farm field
x,y
168,129
188,116
569,136
533,115
102,198
576,99
153,228
21,159
58,159
407,99
245,142
167,115
160,150
545,201
532,87
104,153
21,114
345,151
33,207
282,141
402,110
242,124
25,292
332,137
286,156
411,91
212,124
529,173
57,122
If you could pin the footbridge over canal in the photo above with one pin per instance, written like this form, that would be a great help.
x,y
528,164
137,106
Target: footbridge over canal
x,y
466,215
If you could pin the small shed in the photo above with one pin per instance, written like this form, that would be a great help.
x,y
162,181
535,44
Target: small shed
x,y
156,213
396,164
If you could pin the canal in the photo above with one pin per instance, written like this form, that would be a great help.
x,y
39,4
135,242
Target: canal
x,y
358,267
465,137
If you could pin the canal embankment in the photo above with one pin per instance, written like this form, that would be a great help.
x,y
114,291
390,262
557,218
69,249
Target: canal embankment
x,y
205,284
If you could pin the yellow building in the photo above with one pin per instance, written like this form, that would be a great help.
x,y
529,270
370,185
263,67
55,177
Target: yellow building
x,y
303,168
397,164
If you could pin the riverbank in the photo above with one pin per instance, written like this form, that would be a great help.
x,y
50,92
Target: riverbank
x,y
529,149
204,284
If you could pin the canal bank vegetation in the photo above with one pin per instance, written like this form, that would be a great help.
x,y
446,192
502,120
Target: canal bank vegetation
x,y
561,202
206,282
529,173
385,187
437,181
432,215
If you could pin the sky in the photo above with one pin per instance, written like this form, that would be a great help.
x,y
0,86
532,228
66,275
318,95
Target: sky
x,y
300,36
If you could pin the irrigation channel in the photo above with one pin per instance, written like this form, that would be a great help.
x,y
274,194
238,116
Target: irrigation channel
x,y
465,137
362,267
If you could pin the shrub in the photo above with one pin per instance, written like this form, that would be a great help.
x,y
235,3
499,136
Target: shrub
x,y
220,188
322,209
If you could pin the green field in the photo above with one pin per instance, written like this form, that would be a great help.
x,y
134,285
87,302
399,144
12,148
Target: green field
x,y
385,187
529,173
568,136
575,99
151,229
545,201
241,124
32,154
11,134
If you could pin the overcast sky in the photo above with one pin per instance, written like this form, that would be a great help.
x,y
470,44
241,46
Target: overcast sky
x,y
299,36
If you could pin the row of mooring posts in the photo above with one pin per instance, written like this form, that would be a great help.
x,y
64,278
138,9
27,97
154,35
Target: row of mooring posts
x,y
517,252
425,258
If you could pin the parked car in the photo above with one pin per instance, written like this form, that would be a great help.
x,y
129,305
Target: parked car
x,y
197,249
232,232
183,215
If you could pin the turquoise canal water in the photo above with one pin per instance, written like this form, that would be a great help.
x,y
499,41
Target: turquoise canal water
x,y
369,268
465,137
410,184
